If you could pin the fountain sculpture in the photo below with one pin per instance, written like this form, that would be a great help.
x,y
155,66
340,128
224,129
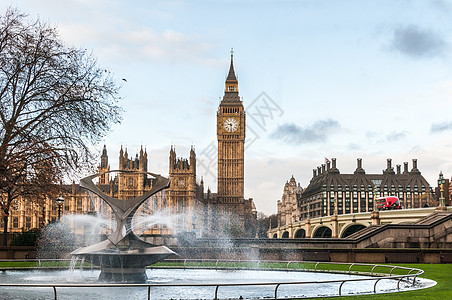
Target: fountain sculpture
x,y
123,256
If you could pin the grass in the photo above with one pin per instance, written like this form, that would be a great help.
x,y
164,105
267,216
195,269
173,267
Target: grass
x,y
441,273
36,264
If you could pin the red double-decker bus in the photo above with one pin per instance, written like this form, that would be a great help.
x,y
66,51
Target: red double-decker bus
x,y
388,203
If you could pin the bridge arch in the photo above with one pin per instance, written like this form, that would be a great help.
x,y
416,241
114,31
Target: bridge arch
x,y
351,229
285,235
322,232
275,235
300,234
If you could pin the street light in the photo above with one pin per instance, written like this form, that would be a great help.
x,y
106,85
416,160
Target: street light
x,y
59,201
441,182
375,197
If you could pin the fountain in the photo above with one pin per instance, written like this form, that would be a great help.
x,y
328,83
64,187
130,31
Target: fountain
x,y
123,256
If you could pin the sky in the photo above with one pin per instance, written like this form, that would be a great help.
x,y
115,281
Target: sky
x,y
319,79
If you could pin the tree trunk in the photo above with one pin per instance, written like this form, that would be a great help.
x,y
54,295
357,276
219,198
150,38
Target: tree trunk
x,y
5,230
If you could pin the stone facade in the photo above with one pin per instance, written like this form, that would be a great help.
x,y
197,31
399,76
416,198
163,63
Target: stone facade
x,y
185,195
329,190
182,199
234,210
288,210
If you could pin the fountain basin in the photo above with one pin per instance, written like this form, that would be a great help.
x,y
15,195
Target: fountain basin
x,y
195,284
123,263
126,266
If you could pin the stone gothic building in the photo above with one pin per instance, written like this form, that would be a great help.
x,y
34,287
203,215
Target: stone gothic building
x,y
182,203
288,210
192,209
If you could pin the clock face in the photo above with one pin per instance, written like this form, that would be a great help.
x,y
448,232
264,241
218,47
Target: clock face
x,y
181,183
231,124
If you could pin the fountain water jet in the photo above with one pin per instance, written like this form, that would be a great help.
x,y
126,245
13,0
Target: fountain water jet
x,y
143,220
123,256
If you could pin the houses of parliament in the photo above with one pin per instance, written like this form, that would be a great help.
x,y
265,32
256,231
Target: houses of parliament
x,y
192,207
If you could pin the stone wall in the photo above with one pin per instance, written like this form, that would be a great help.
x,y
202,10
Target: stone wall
x,y
17,252
336,255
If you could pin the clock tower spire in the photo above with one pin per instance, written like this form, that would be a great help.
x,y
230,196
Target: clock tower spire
x,y
231,140
231,89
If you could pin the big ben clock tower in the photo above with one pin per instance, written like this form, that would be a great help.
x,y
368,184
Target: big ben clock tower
x,y
231,140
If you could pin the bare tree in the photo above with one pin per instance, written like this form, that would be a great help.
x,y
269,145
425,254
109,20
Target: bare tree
x,y
264,223
55,103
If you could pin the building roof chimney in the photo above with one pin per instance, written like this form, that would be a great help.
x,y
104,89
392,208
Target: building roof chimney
x,y
415,170
359,167
389,168
334,170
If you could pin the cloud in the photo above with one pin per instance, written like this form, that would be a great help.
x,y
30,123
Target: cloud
x,y
371,135
416,42
354,146
443,6
294,134
416,149
380,137
440,127
395,136
143,43
122,35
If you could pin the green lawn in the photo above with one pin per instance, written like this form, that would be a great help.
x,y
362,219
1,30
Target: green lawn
x,y
36,264
441,273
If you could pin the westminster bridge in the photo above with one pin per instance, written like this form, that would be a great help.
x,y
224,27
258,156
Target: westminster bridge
x,y
341,226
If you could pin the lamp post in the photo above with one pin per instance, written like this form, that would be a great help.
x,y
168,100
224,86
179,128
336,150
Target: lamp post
x,y
308,207
375,197
59,201
441,182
